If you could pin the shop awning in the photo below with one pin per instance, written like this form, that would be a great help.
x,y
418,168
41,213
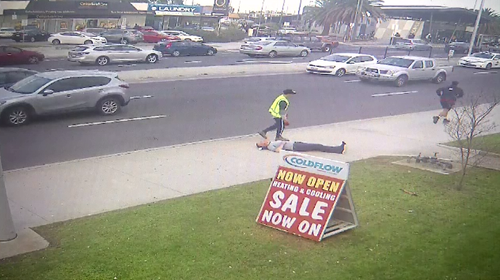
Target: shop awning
x,y
80,8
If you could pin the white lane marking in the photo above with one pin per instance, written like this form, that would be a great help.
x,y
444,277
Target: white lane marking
x,y
393,93
265,61
118,121
140,97
352,81
192,61
485,72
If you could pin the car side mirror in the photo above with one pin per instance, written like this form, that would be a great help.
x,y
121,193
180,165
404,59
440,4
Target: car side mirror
x,y
47,92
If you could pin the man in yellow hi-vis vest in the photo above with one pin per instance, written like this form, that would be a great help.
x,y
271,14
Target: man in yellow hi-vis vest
x,y
279,110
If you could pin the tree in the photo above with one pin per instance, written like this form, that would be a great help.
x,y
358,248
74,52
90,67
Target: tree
x,y
492,24
469,122
328,12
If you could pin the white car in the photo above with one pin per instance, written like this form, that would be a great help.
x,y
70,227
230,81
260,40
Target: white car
x,y
7,32
76,38
183,35
485,60
339,64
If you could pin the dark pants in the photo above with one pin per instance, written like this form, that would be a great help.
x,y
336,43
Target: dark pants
x,y
279,125
307,147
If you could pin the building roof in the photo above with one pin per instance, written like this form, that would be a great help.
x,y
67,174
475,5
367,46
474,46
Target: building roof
x,y
90,8
438,13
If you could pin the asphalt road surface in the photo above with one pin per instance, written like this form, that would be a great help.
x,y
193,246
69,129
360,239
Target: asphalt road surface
x,y
222,58
186,111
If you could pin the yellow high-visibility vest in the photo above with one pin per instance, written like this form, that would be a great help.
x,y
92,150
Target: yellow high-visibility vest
x,y
275,108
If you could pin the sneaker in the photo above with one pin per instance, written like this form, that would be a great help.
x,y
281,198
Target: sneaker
x,y
344,147
446,121
435,119
263,134
281,138
258,147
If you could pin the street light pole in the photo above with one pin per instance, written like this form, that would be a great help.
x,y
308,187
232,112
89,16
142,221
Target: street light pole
x,y
476,27
260,16
281,15
7,231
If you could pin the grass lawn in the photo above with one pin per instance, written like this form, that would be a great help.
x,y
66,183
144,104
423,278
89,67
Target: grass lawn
x,y
489,143
448,234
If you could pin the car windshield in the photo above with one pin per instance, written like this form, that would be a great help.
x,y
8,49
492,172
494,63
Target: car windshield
x,y
483,55
336,58
396,61
29,85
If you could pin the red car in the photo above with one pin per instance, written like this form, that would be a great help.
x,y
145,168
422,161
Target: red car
x,y
152,36
12,55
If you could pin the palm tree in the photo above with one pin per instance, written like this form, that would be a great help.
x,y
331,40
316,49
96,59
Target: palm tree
x,y
328,12
492,26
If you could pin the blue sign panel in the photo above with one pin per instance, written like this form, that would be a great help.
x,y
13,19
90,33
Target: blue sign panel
x,y
176,10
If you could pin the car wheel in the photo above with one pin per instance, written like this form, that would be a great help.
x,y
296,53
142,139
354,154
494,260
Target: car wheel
x,y
488,67
401,80
109,106
56,42
304,53
124,41
33,60
210,52
440,78
152,58
251,55
102,60
16,116
88,42
176,53
327,48
273,54
340,72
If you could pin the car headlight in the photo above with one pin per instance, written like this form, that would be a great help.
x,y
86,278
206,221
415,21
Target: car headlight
x,y
390,72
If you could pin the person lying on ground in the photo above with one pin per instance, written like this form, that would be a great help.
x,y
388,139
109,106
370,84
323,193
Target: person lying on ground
x,y
277,146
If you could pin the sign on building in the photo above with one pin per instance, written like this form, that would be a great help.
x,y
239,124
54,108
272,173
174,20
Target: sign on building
x,y
93,5
309,197
221,8
174,10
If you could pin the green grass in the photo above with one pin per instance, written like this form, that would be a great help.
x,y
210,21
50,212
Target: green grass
x,y
488,143
448,234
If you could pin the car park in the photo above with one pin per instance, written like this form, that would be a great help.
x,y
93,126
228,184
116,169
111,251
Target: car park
x,y
179,48
127,36
183,35
401,69
30,35
76,38
153,36
483,60
10,76
340,64
62,91
274,48
12,55
105,54
6,32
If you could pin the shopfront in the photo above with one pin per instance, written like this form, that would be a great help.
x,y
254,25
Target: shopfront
x,y
57,16
172,16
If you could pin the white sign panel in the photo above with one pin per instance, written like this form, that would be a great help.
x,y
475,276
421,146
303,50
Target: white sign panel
x,y
316,165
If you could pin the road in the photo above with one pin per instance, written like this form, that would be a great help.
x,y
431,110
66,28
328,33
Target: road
x,y
222,58
187,111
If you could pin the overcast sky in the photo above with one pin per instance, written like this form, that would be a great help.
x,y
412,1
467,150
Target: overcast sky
x,y
293,5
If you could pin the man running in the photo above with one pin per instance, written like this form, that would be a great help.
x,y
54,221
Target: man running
x,y
448,99
277,146
279,110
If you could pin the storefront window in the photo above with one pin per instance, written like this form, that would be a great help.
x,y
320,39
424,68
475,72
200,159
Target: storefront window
x,y
108,23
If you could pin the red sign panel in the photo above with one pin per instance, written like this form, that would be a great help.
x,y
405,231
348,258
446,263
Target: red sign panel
x,y
300,202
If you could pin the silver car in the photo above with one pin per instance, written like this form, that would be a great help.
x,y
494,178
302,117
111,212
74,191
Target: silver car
x,y
62,91
273,48
105,54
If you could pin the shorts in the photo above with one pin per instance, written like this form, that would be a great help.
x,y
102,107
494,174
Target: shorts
x,y
446,105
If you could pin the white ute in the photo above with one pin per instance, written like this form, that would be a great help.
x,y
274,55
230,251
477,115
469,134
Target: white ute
x,y
401,69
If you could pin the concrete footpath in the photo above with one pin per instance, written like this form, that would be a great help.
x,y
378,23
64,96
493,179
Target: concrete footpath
x,y
58,192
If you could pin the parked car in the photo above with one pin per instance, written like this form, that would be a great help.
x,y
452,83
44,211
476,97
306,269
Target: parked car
x,y
10,76
12,55
62,91
30,35
106,54
152,36
183,35
313,42
412,44
6,32
340,64
208,28
287,30
127,36
95,31
179,48
401,69
274,49
484,60
76,38
458,47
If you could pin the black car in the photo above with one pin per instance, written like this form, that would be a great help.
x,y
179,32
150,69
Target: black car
x,y
30,35
10,76
178,48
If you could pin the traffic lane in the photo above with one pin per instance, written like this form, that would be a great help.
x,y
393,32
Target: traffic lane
x,y
227,58
217,108
381,52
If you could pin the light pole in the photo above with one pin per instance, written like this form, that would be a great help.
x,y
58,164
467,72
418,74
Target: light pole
x,y
281,15
358,7
7,231
260,16
476,27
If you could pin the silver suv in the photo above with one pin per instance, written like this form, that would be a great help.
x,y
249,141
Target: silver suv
x,y
62,91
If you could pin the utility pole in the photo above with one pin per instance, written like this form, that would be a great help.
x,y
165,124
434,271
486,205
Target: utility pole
x,y
476,27
282,10
7,231
260,16
354,29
